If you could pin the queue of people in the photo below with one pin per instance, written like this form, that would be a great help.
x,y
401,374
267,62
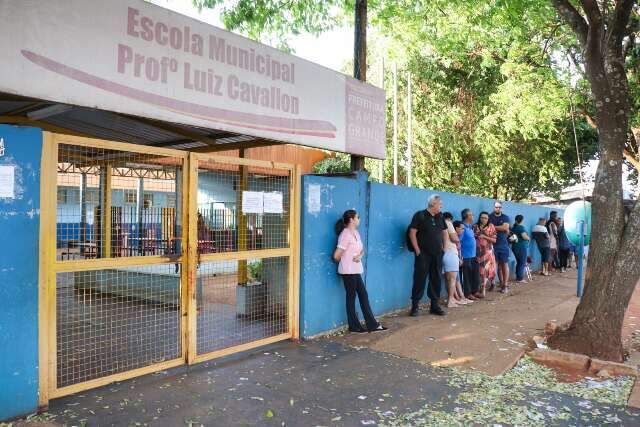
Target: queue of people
x,y
468,257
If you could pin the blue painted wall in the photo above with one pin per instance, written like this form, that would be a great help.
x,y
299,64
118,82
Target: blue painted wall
x,y
386,210
322,305
20,217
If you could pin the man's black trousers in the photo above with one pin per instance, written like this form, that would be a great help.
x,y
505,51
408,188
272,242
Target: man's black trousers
x,y
427,265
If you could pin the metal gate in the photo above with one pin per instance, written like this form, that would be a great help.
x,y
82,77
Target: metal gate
x,y
152,257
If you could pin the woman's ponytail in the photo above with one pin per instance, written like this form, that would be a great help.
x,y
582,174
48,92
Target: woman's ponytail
x,y
347,217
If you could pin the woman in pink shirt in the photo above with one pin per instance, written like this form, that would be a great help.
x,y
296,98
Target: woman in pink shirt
x,y
349,255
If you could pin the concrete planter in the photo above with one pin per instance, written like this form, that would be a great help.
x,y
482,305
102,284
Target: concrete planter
x,y
251,299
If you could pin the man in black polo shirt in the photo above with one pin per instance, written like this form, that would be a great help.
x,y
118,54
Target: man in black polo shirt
x,y
426,233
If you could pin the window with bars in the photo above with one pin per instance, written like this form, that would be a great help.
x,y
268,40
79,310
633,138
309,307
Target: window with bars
x,y
131,197
93,196
147,201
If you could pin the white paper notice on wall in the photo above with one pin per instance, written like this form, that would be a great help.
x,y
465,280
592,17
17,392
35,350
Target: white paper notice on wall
x,y
252,202
313,198
7,182
273,203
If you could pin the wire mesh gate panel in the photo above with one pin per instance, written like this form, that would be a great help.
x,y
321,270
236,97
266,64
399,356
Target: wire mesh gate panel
x,y
231,313
243,280
116,320
155,257
117,278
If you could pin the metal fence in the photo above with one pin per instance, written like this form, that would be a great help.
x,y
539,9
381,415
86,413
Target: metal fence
x,y
156,257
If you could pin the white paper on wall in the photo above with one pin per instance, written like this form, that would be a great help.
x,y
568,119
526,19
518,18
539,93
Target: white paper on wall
x,y
7,182
273,203
252,202
313,198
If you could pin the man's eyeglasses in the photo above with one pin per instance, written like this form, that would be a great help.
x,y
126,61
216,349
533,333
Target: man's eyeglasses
x,y
497,207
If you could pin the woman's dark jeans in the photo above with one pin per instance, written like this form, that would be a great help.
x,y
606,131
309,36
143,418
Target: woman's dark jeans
x,y
353,286
521,261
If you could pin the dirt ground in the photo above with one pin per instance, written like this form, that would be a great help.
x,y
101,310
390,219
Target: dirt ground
x,y
488,335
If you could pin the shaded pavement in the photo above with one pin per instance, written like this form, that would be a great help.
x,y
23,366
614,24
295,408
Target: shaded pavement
x,y
356,380
488,335
312,384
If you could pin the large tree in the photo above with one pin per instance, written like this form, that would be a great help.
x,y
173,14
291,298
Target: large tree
x,y
491,114
603,31
511,43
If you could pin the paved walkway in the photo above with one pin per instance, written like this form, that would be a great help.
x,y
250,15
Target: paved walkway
x,y
488,335
631,337
312,384
357,380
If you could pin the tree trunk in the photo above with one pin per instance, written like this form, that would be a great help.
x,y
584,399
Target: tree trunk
x,y
597,324
359,61
614,265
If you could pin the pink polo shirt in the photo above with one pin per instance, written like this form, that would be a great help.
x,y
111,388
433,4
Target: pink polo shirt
x,y
349,241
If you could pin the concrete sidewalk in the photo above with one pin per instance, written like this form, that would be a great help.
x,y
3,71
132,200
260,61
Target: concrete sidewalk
x,y
313,384
363,379
488,335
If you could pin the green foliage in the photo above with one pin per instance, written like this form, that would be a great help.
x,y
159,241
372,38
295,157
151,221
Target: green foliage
x,y
341,163
491,107
254,271
491,87
274,19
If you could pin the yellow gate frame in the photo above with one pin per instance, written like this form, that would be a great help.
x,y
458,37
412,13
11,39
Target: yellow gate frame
x,y
49,266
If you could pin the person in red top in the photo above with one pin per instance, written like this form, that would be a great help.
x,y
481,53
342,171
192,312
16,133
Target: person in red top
x,y
348,254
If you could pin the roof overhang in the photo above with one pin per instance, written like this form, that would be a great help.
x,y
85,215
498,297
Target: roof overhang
x,y
131,71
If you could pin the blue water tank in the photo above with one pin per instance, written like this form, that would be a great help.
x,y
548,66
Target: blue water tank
x,y
577,214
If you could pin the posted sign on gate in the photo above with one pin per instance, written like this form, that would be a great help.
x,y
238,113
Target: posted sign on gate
x,y
133,57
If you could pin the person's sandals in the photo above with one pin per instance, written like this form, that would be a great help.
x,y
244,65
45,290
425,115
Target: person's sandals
x,y
380,328
358,331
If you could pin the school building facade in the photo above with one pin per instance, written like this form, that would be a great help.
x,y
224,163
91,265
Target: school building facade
x,y
154,211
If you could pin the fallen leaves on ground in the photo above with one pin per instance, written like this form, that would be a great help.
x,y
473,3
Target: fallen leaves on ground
x,y
518,397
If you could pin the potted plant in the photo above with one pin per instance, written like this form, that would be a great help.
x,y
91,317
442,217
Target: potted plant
x,y
250,295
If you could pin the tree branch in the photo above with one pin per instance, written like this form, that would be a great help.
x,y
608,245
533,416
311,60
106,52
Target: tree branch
x,y
576,63
590,120
628,154
594,47
618,24
574,19
591,9
632,159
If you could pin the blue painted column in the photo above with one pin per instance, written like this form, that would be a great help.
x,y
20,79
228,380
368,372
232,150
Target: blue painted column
x,y
580,259
322,295
19,231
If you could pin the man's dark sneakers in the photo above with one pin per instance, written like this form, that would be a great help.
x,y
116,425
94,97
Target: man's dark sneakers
x,y
414,310
437,310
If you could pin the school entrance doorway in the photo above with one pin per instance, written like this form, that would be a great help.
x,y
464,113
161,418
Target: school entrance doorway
x,y
155,257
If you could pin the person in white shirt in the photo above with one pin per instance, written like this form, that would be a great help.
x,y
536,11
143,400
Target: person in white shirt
x,y
451,265
541,235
